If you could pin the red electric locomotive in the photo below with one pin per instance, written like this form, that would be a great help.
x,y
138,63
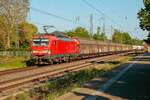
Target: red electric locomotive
x,y
54,47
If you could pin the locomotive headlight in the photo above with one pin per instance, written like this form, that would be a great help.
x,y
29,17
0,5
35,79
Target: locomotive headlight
x,y
49,52
42,51
34,51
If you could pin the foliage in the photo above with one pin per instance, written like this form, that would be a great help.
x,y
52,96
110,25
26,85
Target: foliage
x,y
136,41
117,36
12,13
148,39
23,96
83,33
26,31
100,35
125,38
144,16
24,35
78,32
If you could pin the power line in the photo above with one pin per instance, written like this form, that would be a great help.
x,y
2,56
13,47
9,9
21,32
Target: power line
x,y
101,2
90,5
56,16
42,24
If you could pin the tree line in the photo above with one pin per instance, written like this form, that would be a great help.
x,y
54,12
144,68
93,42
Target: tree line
x,y
117,36
14,29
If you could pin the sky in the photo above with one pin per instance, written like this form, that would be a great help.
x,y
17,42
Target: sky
x,y
114,14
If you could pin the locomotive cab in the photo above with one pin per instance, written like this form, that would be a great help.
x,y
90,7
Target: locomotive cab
x,y
40,46
54,47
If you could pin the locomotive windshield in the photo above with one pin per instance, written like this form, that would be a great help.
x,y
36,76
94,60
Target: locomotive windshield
x,y
40,42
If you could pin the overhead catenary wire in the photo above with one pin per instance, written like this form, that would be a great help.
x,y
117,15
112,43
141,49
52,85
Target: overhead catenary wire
x,y
101,13
114,12
57,16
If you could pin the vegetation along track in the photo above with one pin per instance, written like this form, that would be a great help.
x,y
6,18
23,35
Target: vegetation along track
x,y
13,80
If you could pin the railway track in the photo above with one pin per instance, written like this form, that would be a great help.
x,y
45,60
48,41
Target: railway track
x,y
15,78
16,70
9,71
4,72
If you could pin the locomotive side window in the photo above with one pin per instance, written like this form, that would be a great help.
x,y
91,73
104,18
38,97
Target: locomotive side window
x,y
40,42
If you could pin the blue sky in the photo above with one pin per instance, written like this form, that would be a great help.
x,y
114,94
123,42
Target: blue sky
x,y
122,12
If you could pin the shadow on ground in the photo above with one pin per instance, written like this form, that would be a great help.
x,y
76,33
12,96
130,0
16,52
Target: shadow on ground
x,y
133,85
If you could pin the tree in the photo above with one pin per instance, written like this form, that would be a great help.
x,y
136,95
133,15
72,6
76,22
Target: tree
x,y
136,41
70,33
126,38
148,39
103,36
12,13
79,32
144,16
117,36
26,32
1,40
99,35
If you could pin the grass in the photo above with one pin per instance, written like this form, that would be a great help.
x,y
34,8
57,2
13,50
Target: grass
x,y
12,62
53,89
78,79
107,66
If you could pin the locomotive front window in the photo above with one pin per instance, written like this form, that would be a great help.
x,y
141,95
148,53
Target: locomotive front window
x,y
40,42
